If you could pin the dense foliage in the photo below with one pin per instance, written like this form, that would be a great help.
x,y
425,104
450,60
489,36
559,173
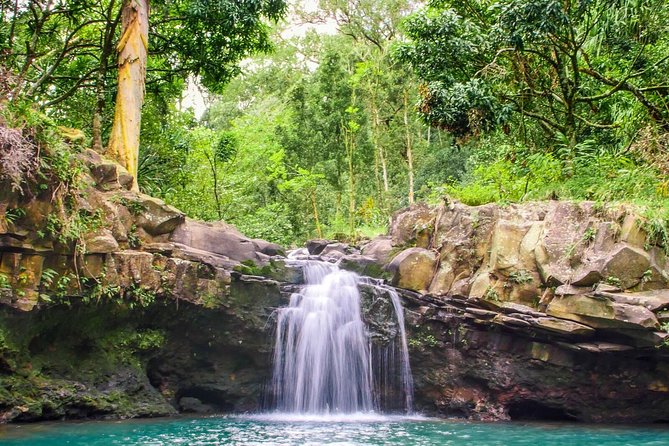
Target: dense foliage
x,y
558,99
63,53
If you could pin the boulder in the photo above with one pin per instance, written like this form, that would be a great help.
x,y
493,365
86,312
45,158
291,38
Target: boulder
x,y
413,269
363,265
632,231
133,268
108,175
268,248
505,246
562,242
623,265
93,265
627,264
380,249
316,246
101,242
335,250
184,252
481,285
218,238
443,279
412,223
156,217
588,275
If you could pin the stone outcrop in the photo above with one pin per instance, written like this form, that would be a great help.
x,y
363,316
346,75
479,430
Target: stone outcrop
x,y
119,306
122,307
576,261
552,310
124,238
495,362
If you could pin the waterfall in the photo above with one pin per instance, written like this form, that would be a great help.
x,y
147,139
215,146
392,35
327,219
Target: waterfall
x,y
405,368
323,360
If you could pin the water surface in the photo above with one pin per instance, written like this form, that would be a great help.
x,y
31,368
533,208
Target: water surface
x,y
342,430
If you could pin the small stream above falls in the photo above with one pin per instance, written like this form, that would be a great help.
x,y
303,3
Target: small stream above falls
x,y
325,358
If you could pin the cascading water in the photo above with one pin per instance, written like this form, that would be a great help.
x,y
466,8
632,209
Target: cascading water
x,y
323,362
389,364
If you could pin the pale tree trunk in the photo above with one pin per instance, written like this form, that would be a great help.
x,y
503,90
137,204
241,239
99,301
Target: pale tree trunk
x,y
132,55
377,176
214,174
376,124
312,196
349,142
407,131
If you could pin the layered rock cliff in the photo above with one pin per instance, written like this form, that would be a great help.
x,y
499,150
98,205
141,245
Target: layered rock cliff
x,y
547,310
113,304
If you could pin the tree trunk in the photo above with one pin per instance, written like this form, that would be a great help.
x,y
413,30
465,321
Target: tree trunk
x,y
214,175
376,124
407,132
315,209
132,55
350,150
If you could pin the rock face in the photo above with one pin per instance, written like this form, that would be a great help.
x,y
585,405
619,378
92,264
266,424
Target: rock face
x,y
545,310
124,308
132,311
550,256
516,363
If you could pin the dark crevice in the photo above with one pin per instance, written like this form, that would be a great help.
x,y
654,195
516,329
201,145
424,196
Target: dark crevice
x,y
533,410
209,397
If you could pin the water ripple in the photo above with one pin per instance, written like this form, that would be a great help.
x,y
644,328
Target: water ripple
x,y
273,430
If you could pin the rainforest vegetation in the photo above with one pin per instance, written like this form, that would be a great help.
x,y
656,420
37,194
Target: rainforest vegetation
x,y
376,105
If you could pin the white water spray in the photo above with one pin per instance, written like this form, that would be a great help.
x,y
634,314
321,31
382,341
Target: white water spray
x,y
322,356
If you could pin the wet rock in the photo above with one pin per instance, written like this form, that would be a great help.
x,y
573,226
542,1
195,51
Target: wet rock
x,y
189,404
316,246
363,265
